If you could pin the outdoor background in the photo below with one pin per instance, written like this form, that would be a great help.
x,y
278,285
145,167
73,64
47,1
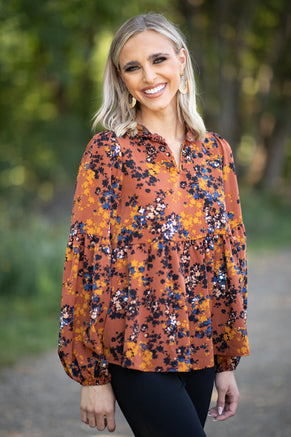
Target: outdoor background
x,y
52,55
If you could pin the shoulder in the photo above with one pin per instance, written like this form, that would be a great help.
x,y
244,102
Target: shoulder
x,y
217,144
104,144
102,139
100,153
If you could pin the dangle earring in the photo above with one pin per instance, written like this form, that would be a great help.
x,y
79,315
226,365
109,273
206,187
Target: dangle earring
x,y
184,86
131,101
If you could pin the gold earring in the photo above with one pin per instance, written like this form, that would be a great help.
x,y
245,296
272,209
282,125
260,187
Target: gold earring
x,y
131,101
184,86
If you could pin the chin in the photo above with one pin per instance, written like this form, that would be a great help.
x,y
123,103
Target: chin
x,y
159,106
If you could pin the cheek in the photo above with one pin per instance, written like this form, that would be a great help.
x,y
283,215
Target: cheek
x,y
176,79
174,73
130,83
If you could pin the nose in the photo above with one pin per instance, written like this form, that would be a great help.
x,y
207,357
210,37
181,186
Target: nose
x,y
149,74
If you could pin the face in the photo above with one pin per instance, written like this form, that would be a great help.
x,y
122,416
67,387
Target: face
x,y
151,69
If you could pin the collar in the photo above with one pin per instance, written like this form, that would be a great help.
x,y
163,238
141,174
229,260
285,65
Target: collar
x,y
142,131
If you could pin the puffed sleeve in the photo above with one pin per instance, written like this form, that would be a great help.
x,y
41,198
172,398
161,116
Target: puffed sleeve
x,y
235,334
86,279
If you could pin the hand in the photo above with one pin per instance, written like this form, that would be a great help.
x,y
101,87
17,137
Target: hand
x,y
228,396
98,406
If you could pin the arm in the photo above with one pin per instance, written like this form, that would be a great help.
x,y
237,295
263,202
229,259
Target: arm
x,y
86,291
86,285
232,342
235,342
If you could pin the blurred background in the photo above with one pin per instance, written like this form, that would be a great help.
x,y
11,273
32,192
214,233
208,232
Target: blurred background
x,y
52,56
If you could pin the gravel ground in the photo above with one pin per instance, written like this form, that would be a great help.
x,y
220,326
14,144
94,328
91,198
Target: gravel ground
x,y
38,400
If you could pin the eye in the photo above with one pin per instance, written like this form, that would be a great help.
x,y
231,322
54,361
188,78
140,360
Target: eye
x,y
131,68
159,59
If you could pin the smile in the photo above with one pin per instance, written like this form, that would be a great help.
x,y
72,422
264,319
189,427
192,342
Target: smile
x,y
155,90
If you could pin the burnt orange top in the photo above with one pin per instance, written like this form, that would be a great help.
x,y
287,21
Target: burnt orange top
x,y
155,272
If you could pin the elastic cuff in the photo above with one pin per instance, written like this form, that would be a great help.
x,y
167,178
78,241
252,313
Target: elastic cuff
x,y
101,380
225,363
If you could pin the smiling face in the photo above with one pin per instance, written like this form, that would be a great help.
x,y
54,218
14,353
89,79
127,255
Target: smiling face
x,y
151,68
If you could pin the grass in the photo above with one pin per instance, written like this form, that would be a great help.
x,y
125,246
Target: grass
x,y
31,265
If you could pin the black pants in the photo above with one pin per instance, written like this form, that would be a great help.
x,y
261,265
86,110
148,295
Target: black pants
x,y
163,404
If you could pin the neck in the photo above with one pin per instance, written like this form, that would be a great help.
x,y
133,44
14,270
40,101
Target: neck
x,y
165,124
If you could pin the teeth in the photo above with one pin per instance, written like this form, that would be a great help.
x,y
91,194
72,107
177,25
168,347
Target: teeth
x,y
155,90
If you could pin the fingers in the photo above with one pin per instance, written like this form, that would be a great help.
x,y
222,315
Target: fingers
x,y
106,419
111,422
221,400
99,420
84,417
89,417
219,415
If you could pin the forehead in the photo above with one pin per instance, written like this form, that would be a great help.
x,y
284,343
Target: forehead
x,y
145,43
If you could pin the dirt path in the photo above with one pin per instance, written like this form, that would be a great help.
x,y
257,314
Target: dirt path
x,y
38,400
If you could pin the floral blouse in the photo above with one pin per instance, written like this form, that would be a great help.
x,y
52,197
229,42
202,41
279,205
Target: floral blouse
x,y
155,274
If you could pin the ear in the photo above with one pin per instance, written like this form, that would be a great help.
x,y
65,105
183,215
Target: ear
x,y
182,56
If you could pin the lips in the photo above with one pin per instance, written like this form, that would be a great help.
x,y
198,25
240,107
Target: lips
x,y
155,90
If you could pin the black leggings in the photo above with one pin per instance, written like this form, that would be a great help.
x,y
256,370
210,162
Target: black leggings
x,y
163,404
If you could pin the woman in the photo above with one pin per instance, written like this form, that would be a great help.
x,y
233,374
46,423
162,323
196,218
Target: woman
x,y
154,290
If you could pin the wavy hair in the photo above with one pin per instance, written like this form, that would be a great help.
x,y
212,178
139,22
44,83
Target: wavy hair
x,y
115,113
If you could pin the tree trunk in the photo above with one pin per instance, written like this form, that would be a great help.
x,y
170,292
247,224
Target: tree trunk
x,y
276,146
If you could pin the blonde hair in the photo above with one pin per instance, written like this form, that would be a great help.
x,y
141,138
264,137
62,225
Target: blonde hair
x,y
115,113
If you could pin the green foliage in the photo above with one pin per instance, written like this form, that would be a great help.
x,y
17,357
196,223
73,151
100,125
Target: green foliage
x,y
31,266
31,257
28,326
267,220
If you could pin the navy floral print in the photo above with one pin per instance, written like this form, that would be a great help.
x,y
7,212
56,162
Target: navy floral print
x,y
155,274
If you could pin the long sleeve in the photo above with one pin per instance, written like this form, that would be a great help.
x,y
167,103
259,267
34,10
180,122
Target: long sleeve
x,y
236,267
86,279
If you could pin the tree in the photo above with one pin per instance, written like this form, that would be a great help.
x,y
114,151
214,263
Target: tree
x,y
242,52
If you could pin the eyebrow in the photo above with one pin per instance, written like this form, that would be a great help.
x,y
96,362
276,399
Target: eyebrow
x,y
153,56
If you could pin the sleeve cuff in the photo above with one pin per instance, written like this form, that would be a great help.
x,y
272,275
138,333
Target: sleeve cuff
x,y
103,378
225,363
